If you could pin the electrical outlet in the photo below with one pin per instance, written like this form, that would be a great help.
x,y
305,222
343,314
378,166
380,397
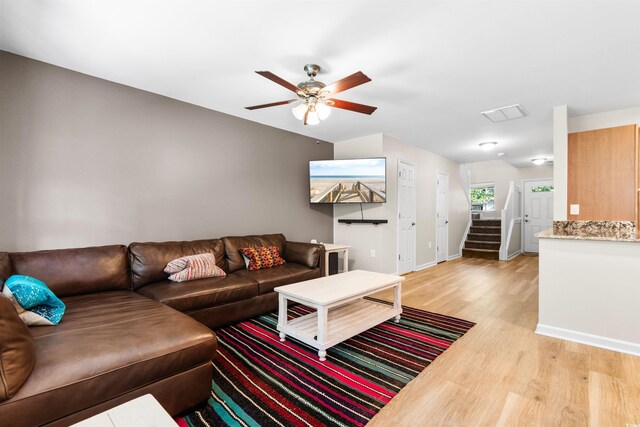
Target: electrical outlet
x,y
373,253
314,241
574,209
429,245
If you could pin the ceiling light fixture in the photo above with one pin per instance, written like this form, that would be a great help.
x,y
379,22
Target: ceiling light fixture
x,y
488,146
313,109
539,161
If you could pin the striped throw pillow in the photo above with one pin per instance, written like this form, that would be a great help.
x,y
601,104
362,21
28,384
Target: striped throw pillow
x,y
193,267
262,257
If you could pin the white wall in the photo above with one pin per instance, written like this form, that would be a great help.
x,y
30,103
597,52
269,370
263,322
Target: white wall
x,y
560,159
604,120
364,237
589,292
383,238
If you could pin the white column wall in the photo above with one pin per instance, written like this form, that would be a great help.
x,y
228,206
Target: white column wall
x,y
589,292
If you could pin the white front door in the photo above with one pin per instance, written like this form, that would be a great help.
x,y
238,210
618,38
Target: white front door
x,y
538,211
406,218
442,217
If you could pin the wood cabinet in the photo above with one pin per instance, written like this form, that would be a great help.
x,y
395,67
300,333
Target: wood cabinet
x,y
603,174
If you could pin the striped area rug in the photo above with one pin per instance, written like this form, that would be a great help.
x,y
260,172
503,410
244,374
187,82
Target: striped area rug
x,y
260,381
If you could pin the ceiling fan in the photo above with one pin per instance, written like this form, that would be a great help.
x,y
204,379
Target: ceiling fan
x,y
315,98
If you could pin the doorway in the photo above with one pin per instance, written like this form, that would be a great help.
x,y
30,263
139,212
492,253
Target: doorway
x,y
442,217
538,211
406,217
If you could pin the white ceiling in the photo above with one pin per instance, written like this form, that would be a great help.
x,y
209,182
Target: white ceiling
x,y
434,65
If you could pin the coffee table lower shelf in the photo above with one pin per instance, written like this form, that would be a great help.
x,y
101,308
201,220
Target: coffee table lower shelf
x,y
343,322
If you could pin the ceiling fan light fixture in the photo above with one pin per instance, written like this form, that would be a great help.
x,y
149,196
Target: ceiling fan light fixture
x,y
323,110
488,146
299,110
312,117
539,161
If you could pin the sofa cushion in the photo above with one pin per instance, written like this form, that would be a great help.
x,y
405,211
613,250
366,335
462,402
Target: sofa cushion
x,y
196,294
5,266
233,244
148,260
17,351
307,254
76,271
109,343
270,278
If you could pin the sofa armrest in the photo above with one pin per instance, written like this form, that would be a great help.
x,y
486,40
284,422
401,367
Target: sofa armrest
x,y
308,254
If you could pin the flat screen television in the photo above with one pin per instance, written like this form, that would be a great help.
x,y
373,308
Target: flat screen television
x,y
348,181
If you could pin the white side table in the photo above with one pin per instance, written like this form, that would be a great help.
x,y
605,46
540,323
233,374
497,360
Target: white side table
x,y
145,411
329,248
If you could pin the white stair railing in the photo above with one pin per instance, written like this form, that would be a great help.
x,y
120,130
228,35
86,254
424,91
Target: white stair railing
x,y
509,216
465,178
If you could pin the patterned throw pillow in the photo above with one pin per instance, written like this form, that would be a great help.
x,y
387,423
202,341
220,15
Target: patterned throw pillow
x,y
262,257
193,267
35,302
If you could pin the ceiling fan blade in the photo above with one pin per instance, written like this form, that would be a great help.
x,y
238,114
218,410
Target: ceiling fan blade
x,y
351,106
355,79
269,75
273,104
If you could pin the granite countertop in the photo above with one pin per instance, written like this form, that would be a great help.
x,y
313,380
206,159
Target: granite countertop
x,y
612,231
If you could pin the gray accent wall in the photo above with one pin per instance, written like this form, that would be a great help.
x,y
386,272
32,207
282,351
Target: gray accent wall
x,y
85,161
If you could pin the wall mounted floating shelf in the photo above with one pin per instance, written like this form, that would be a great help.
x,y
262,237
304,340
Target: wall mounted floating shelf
x,y
363,221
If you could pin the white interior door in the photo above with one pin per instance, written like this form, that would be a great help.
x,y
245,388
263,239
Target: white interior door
x,y
442,217
538,211
406,218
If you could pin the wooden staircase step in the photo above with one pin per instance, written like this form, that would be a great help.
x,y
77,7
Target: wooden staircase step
x,y
485,230
483,237
487,222
474,244
481,253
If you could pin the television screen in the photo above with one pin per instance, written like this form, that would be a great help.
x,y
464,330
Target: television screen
x,y
348,181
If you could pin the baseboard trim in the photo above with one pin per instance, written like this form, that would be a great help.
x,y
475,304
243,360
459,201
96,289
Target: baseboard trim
x,y
589,339
425,265
455,256
512,256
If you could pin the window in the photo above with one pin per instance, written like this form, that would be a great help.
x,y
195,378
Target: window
x,y
542,188
482,197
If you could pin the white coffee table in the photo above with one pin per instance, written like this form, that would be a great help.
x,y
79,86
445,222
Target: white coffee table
x,y
144,411
341,310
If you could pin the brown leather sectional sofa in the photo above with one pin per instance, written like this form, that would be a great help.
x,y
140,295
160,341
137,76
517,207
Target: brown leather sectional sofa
x,y
123,334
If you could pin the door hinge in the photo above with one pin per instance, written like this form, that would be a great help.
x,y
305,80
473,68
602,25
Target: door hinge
x,y
399,215
398,257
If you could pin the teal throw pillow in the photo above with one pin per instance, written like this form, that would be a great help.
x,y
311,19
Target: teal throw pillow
x,y
35,302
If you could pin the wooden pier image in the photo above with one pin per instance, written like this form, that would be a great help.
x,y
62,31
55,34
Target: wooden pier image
x,y
348,191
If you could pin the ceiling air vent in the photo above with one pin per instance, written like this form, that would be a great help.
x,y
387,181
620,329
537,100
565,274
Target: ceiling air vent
x,y
503,114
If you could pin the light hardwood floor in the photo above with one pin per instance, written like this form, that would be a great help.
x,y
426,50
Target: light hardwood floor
x,y
501,373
